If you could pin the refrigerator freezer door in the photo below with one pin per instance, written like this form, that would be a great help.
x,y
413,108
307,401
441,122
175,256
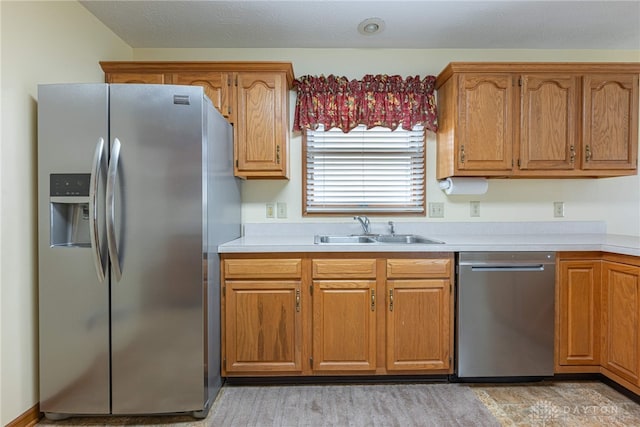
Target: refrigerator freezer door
x,y
73,301
157,305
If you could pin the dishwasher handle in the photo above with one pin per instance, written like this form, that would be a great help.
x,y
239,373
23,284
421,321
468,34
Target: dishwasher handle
x,y
508,268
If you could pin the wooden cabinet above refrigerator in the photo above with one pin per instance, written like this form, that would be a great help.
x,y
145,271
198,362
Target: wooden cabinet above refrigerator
x,y
253,96
538,120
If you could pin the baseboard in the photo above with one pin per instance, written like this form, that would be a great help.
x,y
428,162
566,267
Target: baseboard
x,y
29,418
339,379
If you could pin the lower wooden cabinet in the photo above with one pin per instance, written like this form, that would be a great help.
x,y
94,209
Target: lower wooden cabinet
x,y
344,325
578,314
598,316
263,326
419,314
337,314
418,324
262,316
621,327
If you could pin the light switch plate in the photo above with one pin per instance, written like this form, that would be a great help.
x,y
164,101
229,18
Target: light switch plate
x,y
271,210
282,209
436,210
474,208
558,209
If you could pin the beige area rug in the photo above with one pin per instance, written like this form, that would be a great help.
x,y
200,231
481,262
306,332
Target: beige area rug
x,y
558,404
349,405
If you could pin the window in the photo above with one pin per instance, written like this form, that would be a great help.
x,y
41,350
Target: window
x,y
364,171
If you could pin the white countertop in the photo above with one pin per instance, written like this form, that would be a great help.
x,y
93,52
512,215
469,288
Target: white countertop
x,y
534,237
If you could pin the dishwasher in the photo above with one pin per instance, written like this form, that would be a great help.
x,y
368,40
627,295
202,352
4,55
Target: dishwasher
x,y
505,315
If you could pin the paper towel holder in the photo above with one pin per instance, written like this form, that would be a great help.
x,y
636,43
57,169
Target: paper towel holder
x,y
463,185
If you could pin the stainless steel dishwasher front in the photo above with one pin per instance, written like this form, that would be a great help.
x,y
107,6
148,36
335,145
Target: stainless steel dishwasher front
x,y
505,314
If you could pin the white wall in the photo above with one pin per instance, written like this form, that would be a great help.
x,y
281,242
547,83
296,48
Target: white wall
x,y
42,42
614,200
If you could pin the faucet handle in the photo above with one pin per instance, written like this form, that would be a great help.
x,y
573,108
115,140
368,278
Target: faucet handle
x,y
392,227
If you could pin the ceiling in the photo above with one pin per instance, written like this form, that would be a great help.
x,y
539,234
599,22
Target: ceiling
x,y
428,24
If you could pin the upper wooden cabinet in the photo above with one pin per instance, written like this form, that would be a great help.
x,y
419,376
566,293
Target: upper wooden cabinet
x,y
480,136
610,121
253,96
548,122
261,130
217,86
537,119
137,78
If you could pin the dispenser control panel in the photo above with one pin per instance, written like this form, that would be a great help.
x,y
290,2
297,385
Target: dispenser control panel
x,y
69,184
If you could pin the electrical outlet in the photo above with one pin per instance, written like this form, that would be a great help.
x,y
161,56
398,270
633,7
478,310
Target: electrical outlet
x,y
282,209
436,210
558,209
271,211
474,208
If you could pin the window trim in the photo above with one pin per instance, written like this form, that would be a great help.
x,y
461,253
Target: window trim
x,y
305,213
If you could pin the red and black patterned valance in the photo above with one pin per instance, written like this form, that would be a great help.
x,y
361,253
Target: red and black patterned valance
x,y
380,100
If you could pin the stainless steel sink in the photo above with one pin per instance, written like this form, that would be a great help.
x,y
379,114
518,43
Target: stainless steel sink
x,y
406,239
398,239
343,239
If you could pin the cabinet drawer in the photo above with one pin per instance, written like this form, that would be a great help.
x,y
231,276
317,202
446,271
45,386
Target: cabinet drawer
x,y
263,268
344,268
418,268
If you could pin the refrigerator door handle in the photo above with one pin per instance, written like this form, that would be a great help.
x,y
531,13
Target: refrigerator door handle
x,y
93,210
112,176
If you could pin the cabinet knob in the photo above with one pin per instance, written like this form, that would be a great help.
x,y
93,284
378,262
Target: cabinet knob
x,y
278,154
587,151
462,154
390,299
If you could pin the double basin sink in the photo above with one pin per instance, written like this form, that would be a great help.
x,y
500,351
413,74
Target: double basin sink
x,y
396,239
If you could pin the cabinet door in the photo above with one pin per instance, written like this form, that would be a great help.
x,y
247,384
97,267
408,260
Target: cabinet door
x,y
418,324
216,86
263,330
610,121
261,127
548,122
485,122
344,325
140,78
621,306
579,312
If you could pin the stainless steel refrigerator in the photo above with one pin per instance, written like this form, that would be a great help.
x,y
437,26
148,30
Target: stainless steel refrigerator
x,y
135,192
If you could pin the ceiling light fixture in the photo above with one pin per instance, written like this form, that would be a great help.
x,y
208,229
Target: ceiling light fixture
x,y
371,26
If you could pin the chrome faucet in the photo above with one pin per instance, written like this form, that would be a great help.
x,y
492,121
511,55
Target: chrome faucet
x,y
392,227
364,222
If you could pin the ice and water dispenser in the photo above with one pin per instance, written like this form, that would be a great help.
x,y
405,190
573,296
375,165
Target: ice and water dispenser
x,y
69,209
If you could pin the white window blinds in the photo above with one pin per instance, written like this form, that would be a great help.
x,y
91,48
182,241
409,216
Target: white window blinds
x,y
365,171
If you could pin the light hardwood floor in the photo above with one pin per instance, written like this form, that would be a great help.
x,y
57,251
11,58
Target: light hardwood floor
x,y
543,404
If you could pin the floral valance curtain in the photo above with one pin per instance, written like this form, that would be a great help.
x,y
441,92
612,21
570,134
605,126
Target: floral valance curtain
x,y
380,100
